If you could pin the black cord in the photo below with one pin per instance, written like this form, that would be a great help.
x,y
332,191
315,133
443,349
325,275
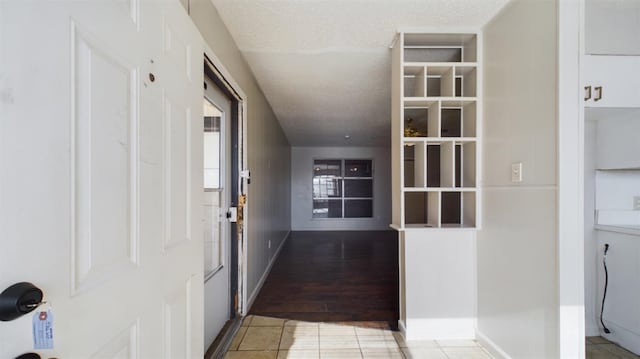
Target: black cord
x,y
606,284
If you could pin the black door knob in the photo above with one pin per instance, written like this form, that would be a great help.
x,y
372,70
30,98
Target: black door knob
x,y
18,300
29,356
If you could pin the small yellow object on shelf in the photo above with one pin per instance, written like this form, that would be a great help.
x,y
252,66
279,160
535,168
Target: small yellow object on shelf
x,y
410,131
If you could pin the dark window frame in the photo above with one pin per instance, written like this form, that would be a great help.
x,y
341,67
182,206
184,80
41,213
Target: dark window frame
x,y
321,192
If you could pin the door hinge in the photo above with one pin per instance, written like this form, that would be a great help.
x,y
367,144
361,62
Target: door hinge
x,y
235,302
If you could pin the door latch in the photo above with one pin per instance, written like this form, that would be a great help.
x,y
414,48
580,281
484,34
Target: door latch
x,y
232,214
246,174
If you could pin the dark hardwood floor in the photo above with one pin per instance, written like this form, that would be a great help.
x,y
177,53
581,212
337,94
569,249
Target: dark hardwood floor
x,y
334,276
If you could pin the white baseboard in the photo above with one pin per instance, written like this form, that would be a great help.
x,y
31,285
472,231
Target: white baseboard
x,y
403,328
439,329
623,337
254,294
592,331
491,347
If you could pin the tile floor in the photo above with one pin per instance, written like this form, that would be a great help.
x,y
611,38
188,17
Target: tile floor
x,y
272,338
601,348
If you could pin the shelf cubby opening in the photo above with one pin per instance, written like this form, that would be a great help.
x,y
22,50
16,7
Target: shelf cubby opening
x,y
467,164
447,164
414,165
422,121
440,162
422,209
433,86
440,81
466,83
425,53
469,116
458,86
433,161
469,209
451,122
444,47
451,208
458,165
414,81
416,122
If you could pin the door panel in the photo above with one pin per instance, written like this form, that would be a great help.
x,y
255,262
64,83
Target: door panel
x,y
217,200
104,127
124,345
177,323
176,161
100,205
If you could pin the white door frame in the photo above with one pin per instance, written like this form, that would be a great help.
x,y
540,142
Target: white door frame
x,y
242,141
571,299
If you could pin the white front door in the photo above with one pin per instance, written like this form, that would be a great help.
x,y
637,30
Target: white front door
x,y
217,180
100,175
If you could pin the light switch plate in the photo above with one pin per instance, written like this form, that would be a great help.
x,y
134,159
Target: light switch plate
x,y
516,172
636,203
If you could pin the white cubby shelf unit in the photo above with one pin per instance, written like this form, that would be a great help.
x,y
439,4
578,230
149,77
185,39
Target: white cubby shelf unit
x,y
436,117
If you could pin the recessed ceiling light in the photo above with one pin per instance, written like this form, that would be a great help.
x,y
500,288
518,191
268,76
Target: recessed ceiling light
x,y
346,137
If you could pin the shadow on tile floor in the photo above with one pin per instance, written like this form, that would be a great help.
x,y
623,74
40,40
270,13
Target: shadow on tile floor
x,y
273,338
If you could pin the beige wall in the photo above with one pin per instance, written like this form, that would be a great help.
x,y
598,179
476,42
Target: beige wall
x,y
268,150
517,246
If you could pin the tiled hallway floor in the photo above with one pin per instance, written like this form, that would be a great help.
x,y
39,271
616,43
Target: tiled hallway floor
x,y
601,348
274,338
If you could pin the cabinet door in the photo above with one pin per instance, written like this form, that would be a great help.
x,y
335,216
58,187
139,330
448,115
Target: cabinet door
x,y
617,137
619,78
612,27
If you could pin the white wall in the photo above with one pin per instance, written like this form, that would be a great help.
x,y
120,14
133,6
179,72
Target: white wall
x,y
301,189
615,190
437,284
617,137
622,307
517,245
268,151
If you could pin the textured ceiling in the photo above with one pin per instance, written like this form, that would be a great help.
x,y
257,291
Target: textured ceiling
x,y
325,65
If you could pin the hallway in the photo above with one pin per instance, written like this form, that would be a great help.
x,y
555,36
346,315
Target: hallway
x,y
272,338
334,276
334,294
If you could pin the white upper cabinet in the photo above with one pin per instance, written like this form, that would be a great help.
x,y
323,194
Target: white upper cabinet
x,y
611,81
612,27
611,56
